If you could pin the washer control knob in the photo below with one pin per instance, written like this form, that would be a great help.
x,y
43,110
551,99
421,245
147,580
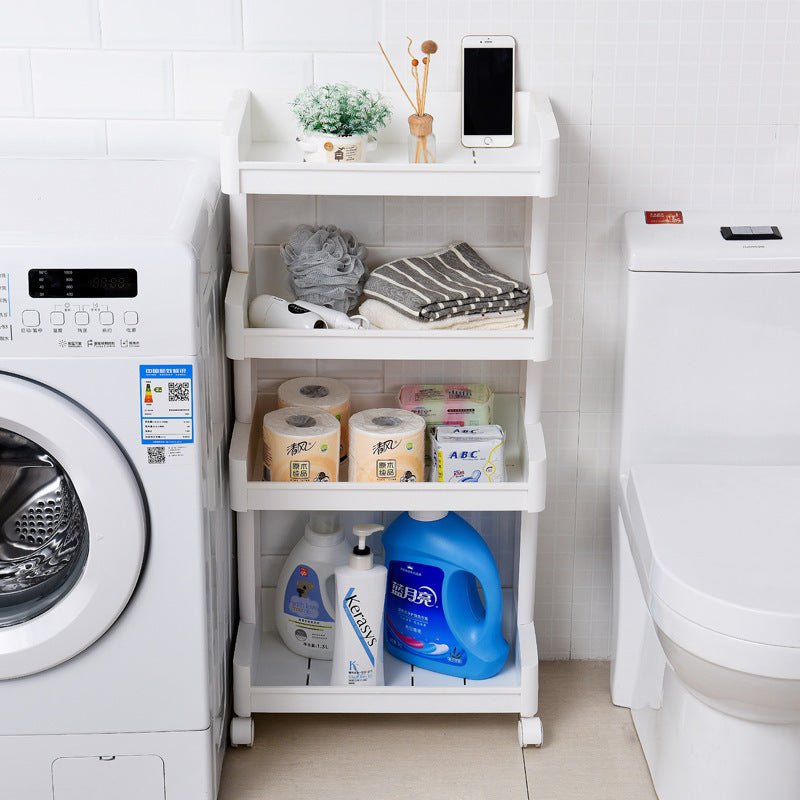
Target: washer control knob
x,y
488,141
131,318
81,317
30,319
57,318
106,318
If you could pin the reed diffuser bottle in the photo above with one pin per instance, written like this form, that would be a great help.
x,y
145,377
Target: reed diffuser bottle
x,y
421,140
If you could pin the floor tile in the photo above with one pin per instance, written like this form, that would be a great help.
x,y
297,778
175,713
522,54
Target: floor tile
x,y
390,757
590,751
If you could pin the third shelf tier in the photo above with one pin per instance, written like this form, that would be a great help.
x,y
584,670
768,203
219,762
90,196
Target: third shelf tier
x,y
524,489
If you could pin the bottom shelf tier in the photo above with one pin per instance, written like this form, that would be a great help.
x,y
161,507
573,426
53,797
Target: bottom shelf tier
x,y
268,677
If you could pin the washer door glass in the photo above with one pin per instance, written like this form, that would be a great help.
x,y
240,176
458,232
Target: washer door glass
x,y
44,537
73,528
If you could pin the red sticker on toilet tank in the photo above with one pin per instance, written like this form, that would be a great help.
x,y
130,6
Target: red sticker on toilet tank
x,y
663,217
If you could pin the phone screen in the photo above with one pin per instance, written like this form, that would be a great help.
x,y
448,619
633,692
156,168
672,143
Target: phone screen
x,y
488,91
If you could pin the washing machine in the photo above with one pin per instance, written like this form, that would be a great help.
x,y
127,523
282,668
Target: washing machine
x,y
115,533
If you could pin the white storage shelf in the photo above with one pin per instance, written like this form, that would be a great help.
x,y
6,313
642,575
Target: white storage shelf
x,y
268,275
259,155
524,490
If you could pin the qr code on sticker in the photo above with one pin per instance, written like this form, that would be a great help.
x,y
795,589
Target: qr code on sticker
x,y
156,455
178,391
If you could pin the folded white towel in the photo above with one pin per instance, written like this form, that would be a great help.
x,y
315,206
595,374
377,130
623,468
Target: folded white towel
x,y
384,316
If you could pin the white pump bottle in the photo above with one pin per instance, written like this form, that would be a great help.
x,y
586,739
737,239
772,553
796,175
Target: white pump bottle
x,y
360,598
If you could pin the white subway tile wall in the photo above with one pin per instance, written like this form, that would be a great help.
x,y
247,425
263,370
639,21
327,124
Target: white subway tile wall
x,y
690,104
50,23
360,69
110,84
204,81
16,97
346,26
162,138
35,137
176,25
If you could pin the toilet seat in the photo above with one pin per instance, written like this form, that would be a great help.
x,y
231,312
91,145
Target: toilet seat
x,y
717,550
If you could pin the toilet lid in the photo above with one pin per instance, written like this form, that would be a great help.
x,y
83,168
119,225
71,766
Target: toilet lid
x,y
720,545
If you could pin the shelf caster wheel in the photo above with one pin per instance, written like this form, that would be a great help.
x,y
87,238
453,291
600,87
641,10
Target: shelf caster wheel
x,y
243,731
530,731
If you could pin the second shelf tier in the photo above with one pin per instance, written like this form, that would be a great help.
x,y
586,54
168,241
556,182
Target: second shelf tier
x,y
268,276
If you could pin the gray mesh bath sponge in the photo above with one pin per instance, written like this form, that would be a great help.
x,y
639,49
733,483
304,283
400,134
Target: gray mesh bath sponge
x,y
326,266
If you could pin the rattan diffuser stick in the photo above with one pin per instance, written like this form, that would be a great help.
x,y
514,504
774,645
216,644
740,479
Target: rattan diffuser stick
x,y
398,79
429,47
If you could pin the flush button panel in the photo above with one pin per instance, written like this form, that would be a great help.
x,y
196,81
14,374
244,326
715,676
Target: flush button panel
x,y
748,233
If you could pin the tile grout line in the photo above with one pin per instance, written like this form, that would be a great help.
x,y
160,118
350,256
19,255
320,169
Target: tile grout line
x,y
582,332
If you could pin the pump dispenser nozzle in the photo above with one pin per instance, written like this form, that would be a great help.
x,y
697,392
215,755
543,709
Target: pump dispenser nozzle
x,y
361,557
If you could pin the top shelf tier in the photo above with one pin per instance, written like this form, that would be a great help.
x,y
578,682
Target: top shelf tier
x,y
259,155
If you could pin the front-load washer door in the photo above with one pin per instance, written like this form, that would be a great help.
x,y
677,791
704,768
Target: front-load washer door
x,y
73,528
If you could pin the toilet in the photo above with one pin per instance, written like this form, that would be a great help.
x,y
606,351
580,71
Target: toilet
x,y
706,508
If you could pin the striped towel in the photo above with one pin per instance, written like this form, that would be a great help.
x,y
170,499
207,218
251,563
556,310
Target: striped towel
x,y
447,283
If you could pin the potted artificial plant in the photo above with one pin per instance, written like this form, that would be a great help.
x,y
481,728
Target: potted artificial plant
x,y
338,121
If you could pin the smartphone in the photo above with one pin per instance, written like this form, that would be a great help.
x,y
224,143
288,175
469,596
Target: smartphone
x,y
487,91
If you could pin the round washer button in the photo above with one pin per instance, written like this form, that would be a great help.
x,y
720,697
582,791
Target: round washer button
x,y
488,141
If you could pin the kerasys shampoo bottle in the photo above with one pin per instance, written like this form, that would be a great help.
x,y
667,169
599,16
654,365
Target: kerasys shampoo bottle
x,y
435,617
360,597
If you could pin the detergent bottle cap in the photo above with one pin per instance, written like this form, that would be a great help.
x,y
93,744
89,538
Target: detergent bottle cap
x,y
427,516
361,557
323,529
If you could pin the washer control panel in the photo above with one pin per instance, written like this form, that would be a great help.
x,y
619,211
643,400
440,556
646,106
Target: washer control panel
x,y
84,324
90,312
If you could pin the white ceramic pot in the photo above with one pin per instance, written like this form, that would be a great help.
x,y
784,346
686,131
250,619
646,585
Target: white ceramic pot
x,y
321,148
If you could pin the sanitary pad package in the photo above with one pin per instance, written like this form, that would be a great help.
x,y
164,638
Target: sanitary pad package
x,y
449,404
472,454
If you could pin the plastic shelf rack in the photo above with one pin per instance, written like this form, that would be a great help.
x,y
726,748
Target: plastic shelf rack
x,y
258,156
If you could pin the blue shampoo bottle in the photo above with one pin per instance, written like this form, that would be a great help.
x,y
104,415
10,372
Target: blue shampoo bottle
x,y
435,618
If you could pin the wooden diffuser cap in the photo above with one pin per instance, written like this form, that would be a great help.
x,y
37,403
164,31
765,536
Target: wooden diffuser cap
x,y
420,126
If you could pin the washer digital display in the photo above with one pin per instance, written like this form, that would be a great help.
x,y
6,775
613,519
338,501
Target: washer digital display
x,y
66,283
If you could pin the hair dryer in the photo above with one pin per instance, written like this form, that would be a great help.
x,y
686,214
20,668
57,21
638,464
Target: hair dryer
x,y
268,311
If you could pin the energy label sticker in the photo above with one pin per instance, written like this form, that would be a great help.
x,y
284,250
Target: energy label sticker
x,y
165,395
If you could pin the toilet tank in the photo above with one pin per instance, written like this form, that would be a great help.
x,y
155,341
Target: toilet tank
x,y
710,369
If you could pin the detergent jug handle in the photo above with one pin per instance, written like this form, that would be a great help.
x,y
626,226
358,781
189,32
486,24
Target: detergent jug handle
x,y
458,587
493,600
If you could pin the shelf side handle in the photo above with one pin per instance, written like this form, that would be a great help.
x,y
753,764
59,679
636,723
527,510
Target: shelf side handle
x,y
542,317
234,134
542,116
236,314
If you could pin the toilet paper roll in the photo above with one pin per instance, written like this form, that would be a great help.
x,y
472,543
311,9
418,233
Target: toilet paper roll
x,y
326,393
301,444
386,444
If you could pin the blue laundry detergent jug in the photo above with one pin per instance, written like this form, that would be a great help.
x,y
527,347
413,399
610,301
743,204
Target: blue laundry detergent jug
x,y
434,615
